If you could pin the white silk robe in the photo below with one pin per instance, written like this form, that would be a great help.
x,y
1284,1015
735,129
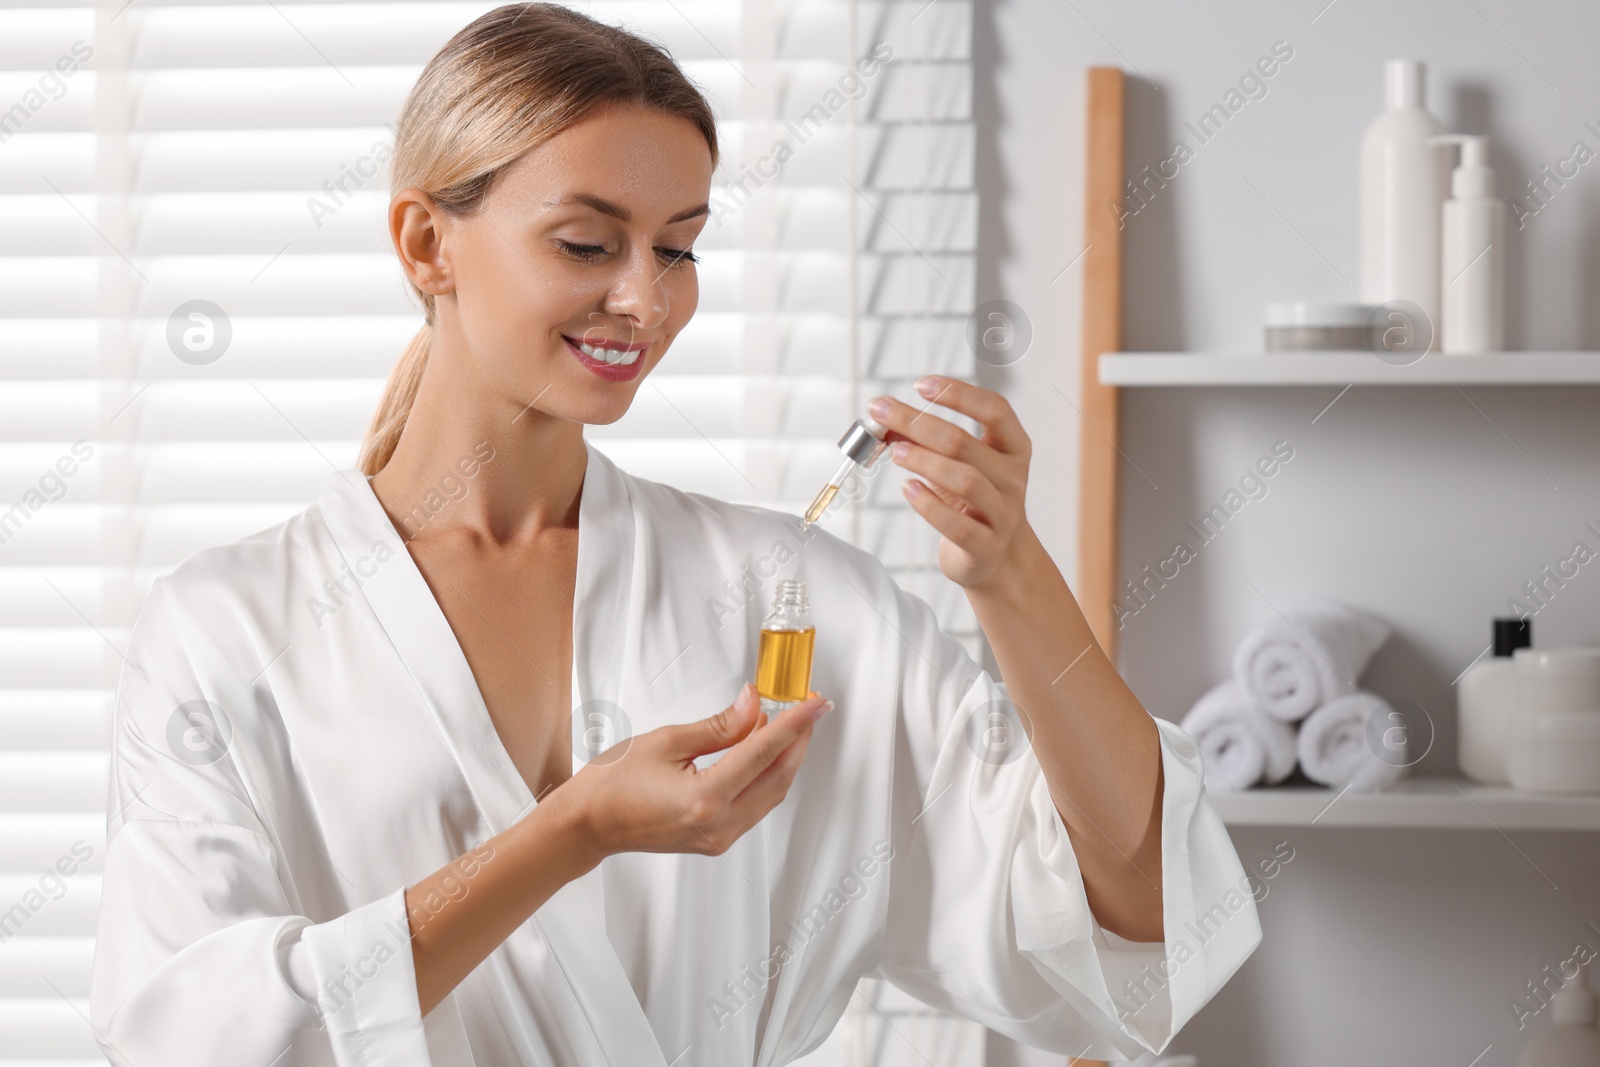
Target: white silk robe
x,y
298,737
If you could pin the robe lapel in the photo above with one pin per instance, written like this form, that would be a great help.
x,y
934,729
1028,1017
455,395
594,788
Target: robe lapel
x,y
572,922
426,647
604,635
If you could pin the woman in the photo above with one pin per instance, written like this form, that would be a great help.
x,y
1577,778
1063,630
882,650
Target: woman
x,y
345,825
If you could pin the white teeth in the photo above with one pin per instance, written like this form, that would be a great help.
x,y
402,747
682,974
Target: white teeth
x,y
611,356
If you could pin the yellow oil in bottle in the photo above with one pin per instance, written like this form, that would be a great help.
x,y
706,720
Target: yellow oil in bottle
x,y
819,505
783,664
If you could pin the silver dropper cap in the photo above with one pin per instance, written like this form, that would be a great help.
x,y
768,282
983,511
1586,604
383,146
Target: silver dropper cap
x,y
862,441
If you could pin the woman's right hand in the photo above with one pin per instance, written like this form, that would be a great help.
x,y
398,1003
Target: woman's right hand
x,y
647,795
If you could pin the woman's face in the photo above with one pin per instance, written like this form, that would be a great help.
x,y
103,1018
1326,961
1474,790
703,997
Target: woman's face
x,y
571,282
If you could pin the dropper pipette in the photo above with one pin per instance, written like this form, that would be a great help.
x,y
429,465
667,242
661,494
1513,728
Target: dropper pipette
x,y
861,444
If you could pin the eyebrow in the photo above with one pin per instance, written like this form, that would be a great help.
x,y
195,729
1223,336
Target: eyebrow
x,y
606,207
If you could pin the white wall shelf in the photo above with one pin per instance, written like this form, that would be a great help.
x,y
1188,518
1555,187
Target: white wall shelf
x,y
1136,369
1415,803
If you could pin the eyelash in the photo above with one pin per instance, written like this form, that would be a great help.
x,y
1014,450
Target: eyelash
x,y
588,253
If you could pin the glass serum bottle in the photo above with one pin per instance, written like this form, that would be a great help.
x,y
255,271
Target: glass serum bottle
x,y
783,661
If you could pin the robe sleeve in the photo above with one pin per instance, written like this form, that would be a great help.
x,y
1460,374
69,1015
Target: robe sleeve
x,y
201,955
988,918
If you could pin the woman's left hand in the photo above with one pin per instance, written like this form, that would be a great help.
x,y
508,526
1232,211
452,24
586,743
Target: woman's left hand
x,y
972,489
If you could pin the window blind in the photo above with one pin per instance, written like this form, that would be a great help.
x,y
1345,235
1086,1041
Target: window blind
x,y
155,154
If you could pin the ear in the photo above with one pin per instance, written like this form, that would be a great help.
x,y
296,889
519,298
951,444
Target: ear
x,y
416,226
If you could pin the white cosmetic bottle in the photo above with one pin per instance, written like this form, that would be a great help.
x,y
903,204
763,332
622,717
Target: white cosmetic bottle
x,y
1573,1040
1486,702
1403,179
1472,260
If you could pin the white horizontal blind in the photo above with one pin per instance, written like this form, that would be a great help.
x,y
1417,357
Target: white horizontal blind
x,y
866,253
154,154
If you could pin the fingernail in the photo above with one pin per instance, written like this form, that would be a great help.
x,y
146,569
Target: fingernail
x,y
900,449
821,710
911,487
746,693
928,386
879,408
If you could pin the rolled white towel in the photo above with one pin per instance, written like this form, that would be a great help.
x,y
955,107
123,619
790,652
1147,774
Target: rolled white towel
x,y
1356,740
1239,746
1306,657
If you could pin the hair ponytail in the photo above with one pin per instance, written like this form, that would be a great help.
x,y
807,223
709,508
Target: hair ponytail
x,y
399,393
507,82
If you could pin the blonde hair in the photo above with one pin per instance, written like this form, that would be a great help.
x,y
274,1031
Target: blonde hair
x,y
506,83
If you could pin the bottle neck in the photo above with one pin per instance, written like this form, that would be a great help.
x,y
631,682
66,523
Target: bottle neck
x,y
1402,84
1472,183
790,607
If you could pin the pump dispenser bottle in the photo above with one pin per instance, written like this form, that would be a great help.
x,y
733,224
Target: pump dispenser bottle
x,y
1403,180
783,660
1572,1040
1472,263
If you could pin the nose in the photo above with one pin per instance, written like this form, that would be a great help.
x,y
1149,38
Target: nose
x,y
640,292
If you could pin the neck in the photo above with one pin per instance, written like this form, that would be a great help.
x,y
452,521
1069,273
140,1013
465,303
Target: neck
x,y
526,467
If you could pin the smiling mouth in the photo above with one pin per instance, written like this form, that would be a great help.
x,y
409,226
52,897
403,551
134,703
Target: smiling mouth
x,y
616,361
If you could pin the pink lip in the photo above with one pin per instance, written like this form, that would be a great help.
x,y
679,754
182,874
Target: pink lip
x,y
611,372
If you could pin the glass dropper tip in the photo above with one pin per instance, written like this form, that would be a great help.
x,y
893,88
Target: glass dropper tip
x,y
819,505
829,491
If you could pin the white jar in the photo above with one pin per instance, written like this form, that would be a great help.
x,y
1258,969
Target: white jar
x,y
1558,679
1301,327
1555,735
